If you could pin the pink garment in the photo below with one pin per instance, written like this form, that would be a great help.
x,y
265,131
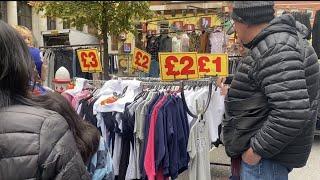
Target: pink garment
x,y
149,160
160,176
68,97
75,101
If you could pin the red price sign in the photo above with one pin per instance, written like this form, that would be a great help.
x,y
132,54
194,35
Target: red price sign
x,y
178,66
89,60
213,64
141,60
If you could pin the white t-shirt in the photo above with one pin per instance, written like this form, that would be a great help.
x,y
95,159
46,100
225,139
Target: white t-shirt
x,y
214,114
133,89
198,149
196,101
176,44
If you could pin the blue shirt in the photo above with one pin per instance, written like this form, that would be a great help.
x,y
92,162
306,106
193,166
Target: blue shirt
x,y
35,55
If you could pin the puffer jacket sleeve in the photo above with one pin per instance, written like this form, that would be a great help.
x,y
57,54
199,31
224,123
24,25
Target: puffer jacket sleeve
x,y
281,76
59,155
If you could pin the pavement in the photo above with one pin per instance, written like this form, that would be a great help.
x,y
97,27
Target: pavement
x,y
310,172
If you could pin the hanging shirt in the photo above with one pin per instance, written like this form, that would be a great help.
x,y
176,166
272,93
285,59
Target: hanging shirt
x,y
100,166
176,44
165,43
117,149
194,42
204,43
185,43
128,118
217,41
133,89
76,99
149,161
153,47
184,134
177,138
147,111
198,149
164,130
214,114
193,102
139,133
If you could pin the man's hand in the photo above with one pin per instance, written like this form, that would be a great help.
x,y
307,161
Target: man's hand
x,y
251,157
224,87
220,81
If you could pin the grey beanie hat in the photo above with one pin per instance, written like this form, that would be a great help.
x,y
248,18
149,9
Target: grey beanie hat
x,y
253,12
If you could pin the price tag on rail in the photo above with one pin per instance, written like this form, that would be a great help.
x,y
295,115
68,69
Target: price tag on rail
x,y
178,66
213,64
141,60
89,60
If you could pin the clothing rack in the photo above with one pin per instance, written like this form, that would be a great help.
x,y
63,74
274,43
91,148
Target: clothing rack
x,y
149,81
173,32
74,54
156,82
66,46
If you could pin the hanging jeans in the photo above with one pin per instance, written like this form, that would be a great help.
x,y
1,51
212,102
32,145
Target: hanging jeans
x,y
264,170
154,69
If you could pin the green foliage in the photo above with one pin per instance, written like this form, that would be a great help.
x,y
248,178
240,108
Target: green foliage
x,y
109,17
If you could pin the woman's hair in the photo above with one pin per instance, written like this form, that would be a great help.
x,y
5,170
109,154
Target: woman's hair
x,y
25,33
16,72
86,135
16,66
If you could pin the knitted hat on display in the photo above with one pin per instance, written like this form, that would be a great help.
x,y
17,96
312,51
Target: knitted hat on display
x,y
253,12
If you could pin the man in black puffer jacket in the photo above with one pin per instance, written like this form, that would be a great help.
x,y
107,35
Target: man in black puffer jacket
x,y
272,103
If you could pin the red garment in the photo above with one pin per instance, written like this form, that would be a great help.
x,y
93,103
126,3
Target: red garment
x,y
160,176
149,160
235,168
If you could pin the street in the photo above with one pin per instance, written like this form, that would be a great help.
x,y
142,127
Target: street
x,y
312,170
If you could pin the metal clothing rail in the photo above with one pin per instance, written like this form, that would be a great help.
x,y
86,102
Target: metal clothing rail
x,y
66,46
156,81
185,30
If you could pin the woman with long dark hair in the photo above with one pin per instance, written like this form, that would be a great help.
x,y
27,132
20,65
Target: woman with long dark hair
x,y
35,143
86,135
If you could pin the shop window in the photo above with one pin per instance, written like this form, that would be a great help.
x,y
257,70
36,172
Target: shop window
x,y
66,24
24,12
114,43
3,10
51,23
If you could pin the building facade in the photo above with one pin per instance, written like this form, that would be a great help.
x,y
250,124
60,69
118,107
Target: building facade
x,y
21,13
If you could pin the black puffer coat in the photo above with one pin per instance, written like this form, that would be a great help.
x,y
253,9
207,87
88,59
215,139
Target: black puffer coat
x,y
272,102
37,144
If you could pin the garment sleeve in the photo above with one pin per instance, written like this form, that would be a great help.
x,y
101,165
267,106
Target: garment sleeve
x,y
58,151
191,145
282,79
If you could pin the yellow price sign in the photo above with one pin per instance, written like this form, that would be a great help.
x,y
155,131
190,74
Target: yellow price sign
x,y
141,60
178,66
213,64
89,60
